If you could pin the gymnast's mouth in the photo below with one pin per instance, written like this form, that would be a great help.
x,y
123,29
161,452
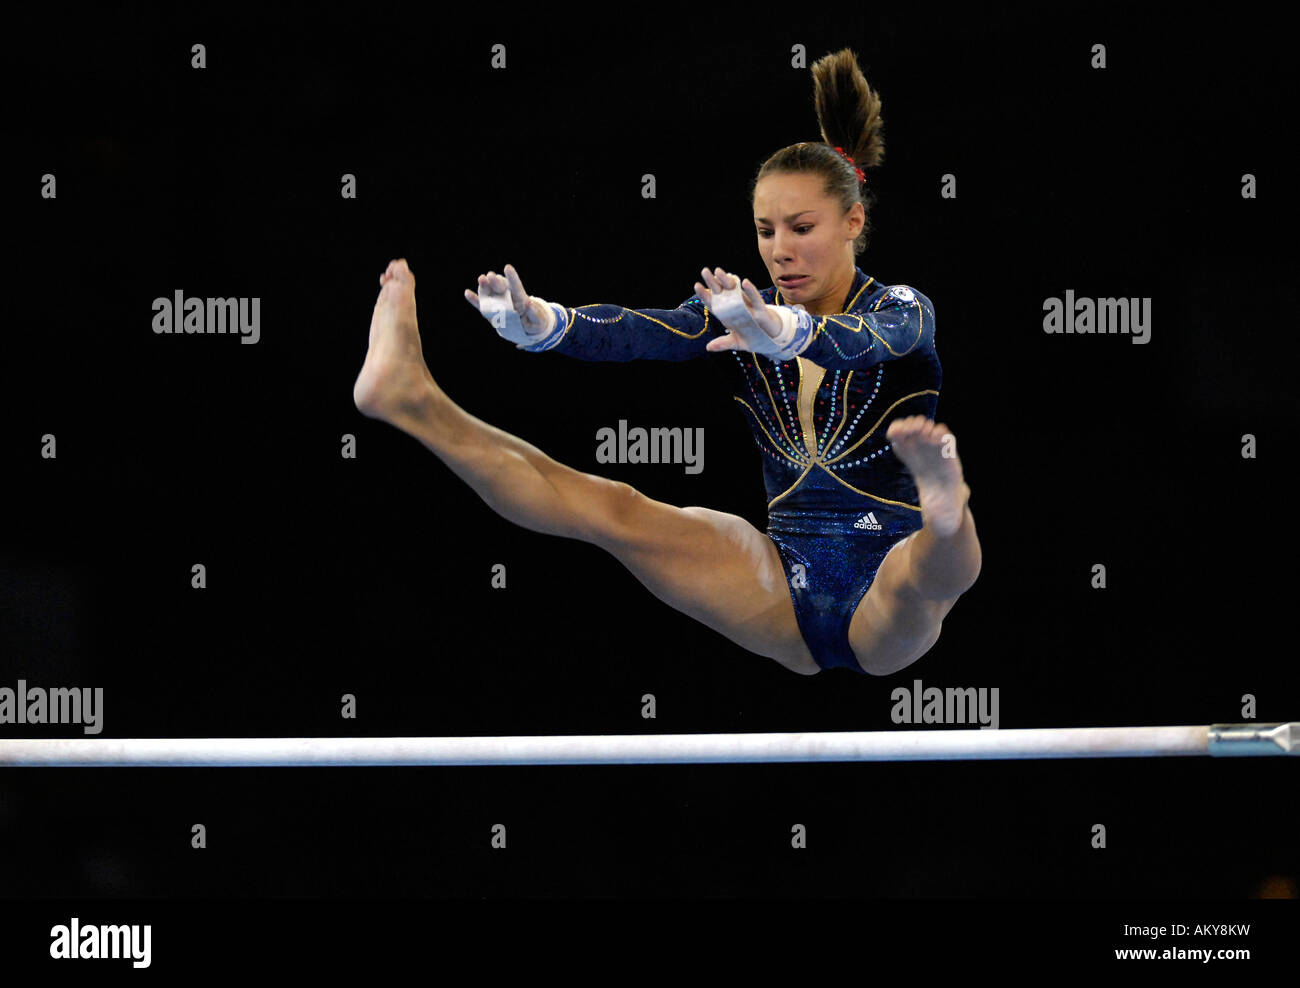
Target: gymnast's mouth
x,y
791,279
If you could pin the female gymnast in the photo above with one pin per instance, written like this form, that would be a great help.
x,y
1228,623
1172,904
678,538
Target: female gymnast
x,y
870,539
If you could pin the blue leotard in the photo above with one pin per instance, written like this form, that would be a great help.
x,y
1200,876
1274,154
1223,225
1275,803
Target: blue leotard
x,y
835,510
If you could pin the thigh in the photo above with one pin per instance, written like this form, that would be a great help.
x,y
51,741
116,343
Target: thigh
x,y
714,567
892,626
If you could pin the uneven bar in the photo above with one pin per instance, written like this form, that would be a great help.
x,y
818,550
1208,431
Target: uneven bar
x,y
651,749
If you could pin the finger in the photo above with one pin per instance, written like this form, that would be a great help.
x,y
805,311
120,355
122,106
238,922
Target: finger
x,y
752,292
726,279
517,294
472,299
728,342
704,293
711,281
756,305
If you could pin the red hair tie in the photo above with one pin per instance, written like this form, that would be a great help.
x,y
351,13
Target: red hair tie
x,y
861,175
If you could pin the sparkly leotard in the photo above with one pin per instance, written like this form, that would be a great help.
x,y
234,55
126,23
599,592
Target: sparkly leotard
x,y
838,496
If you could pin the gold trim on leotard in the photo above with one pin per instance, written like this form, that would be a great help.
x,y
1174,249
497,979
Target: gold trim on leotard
x,y
776,409
690,336
573,315
825,465
844,413
867,435
775,444
807,470
875,497
862,323
820,324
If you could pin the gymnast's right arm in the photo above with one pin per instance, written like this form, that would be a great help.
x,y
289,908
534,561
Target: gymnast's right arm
x,y
594,332
611,332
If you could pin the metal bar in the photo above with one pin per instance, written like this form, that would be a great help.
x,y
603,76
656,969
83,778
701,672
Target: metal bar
x,y
647,749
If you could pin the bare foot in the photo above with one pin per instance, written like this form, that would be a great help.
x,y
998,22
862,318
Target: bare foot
x,y
394,378
929,451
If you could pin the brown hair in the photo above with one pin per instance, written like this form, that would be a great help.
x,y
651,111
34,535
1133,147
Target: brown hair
x,y
848,114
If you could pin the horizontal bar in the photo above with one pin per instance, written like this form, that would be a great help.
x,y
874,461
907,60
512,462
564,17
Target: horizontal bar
x,y
636,749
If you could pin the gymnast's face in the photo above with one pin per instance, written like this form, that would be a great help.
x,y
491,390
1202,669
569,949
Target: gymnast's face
x,y
802,232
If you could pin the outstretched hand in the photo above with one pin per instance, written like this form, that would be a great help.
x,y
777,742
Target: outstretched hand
x,y
531,313
724,293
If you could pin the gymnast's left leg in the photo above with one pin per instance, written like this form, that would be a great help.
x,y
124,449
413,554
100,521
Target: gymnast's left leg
x,y
920,579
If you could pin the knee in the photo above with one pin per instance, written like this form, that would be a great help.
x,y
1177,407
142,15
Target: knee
x,y
614,516
937,587
971,575
888,665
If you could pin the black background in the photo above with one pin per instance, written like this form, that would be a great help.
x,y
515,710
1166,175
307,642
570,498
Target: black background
x,y
371,576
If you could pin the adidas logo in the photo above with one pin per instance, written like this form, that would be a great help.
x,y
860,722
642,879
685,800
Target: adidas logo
x,y
868,521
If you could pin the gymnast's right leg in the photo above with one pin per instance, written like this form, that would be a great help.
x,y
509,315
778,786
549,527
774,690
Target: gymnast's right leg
x,y
710,565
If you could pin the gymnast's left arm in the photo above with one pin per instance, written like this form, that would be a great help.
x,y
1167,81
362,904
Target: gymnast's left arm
x,y
900,323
